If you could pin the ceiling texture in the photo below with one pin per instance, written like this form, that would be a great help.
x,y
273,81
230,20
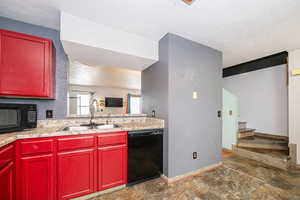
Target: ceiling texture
x,y
243,29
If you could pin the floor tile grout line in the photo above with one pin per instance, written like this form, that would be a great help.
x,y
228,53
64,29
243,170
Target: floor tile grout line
x,y
246,174
258,179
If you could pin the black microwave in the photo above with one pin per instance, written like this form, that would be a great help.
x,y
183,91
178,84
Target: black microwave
x,y
17,117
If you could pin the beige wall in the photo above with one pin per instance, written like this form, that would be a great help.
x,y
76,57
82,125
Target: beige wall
x,y
112,77
294,101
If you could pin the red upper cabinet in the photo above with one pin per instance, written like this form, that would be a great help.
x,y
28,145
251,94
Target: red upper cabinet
x,y
27,66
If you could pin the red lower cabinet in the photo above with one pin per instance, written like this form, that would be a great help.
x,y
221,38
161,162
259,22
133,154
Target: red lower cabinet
x,y
7,182
36,177
62,168
112,166
7,172
75,173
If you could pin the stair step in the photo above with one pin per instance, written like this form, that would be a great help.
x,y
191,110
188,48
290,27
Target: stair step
x,y
263,140
243,130
242,125
263,146
246,132
258,142
276,137
268,157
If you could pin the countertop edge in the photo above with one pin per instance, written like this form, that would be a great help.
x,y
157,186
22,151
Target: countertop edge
x,y
10,139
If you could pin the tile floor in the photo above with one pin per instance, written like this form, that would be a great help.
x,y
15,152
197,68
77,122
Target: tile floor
x,y
237,178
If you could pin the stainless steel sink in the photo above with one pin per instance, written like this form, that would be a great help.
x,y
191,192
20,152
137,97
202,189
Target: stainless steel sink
x,y
107,126
86,127
76,128
93,124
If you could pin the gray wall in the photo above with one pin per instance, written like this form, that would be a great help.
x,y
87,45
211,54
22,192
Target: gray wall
x,y
60,104
155,92
263,99
193,125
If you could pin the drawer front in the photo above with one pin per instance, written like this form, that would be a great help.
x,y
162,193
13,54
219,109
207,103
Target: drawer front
x,y
75,143
6,155
37,146
116,138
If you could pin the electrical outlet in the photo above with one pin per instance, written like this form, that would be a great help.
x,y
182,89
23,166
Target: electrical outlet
x,y
49,114
195,155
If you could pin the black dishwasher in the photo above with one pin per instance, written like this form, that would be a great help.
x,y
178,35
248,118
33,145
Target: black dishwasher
x,y
145,155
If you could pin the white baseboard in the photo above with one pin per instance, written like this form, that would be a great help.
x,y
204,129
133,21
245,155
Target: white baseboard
x,y
190,174
89,196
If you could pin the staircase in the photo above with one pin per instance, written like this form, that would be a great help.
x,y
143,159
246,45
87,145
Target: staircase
x,y
270,149
244,131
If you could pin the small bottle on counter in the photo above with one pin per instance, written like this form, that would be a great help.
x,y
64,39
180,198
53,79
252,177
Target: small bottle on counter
x,y
153,113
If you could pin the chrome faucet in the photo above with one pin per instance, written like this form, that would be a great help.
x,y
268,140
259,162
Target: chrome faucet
x,y
92,107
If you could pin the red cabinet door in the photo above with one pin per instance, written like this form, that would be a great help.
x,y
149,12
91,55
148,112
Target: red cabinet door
x,y
75,173
7,182
26,65
36,177
112,166
7,155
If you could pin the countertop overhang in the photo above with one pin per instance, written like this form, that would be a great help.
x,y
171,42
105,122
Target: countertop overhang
x,y
51,128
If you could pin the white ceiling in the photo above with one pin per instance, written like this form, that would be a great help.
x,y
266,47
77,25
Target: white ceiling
x,y
98,45
242,29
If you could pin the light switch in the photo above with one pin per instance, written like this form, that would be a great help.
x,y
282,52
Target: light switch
x,y
296,72
195,95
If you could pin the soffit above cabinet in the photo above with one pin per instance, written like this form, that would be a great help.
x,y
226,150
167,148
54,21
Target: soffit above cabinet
x,y
98,45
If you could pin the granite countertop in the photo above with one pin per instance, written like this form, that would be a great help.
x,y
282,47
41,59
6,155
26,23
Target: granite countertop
x,y
107,115
50,131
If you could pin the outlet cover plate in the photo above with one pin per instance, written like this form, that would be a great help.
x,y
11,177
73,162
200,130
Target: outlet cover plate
x,y
195,156
49,114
